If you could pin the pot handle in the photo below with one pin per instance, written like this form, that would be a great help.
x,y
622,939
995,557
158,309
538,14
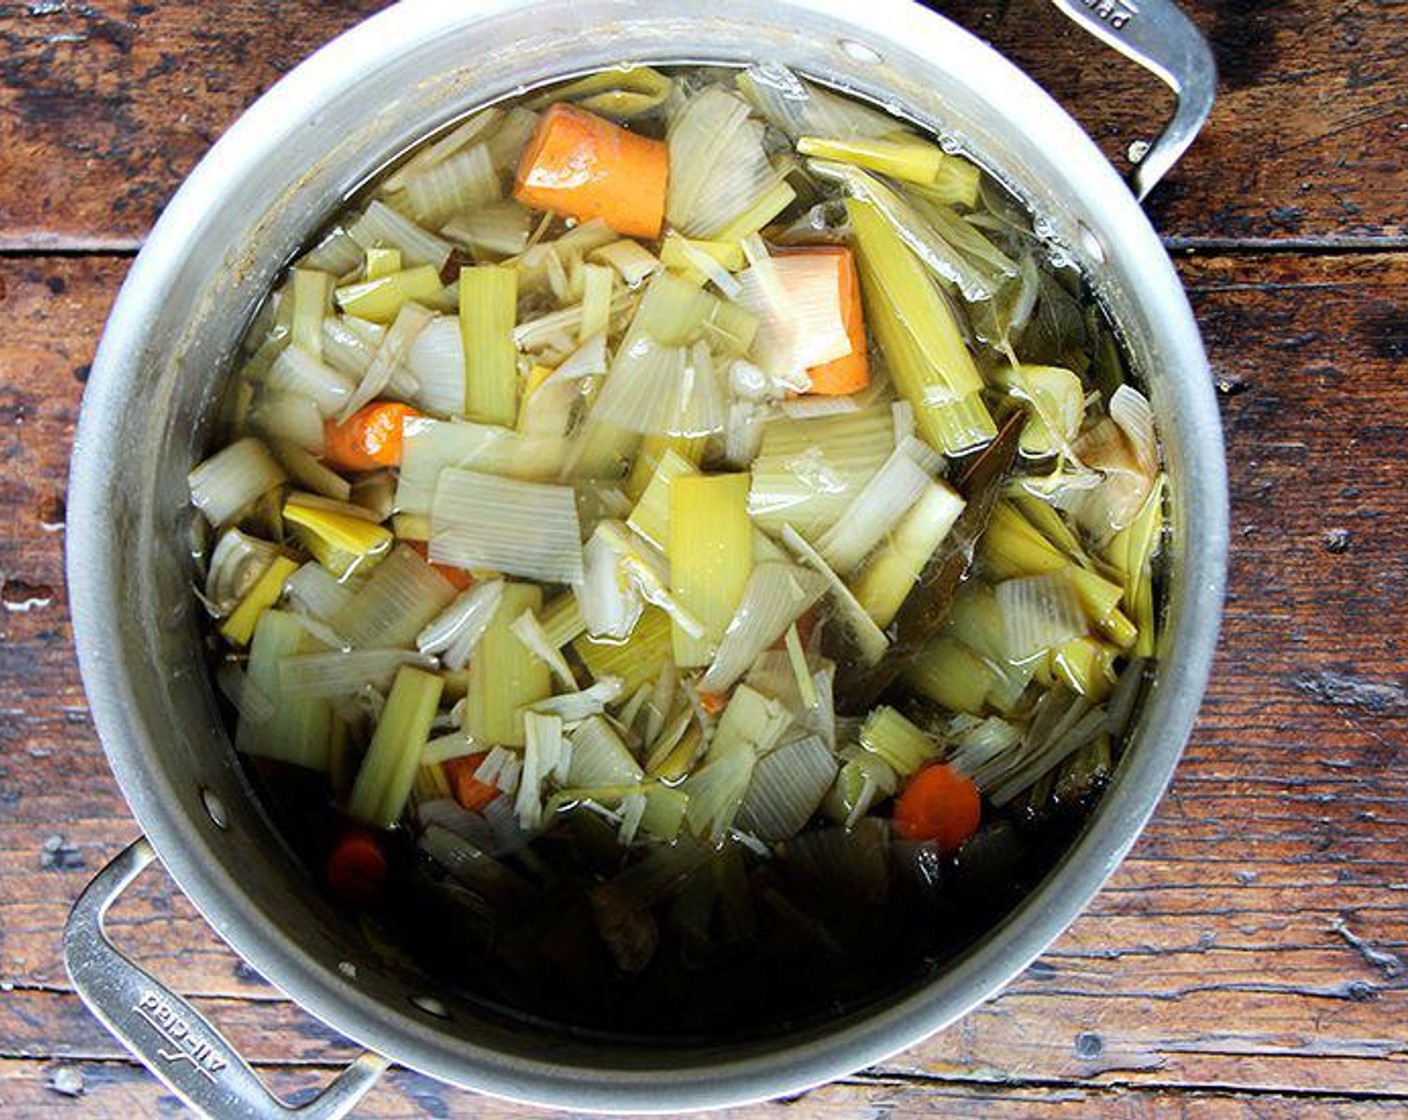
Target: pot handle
x,y
168,1035
1157,35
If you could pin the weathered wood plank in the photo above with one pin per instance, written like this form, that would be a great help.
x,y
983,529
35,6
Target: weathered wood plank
x,y
105,106
122,1089
1257,938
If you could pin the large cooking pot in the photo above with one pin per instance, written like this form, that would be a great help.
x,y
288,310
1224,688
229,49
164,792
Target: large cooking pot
x,y
272,179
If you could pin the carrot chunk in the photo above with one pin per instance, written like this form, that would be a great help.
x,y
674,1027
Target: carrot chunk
x,y
356,869
851,372
584,166
470,792
938,804
369,439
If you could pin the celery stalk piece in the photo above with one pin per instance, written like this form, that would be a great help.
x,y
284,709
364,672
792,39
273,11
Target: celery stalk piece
x,y
711,557
504,677
920,337
389,610
1131,552
312,293
899,742
481,521
1087,665
773,201
651,515
379,300
864,779
797,658
597,283
295,731
331,674
909,159
634,661
488,312
238,628
389,770
382,262
894,569
616,92
950,675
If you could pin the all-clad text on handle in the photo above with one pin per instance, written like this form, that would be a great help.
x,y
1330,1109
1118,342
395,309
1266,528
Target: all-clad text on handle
x,y
166,1033
1157,35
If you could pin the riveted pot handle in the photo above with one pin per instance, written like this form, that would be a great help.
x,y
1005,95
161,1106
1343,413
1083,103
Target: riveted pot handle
x,y
171,1037
1158,36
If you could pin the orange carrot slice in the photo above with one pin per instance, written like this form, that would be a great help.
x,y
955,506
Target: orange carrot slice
x,y
470,792
584,166
851,372
369,439
457,578
356,869
939,804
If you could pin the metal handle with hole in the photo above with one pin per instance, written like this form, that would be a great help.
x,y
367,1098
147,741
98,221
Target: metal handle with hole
x,y
1157,35
168,1035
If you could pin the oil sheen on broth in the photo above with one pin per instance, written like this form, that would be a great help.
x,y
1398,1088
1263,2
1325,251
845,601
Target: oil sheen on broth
x,y
680,554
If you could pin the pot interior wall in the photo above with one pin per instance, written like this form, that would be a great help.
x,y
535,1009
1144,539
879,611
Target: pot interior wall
x,y
268,204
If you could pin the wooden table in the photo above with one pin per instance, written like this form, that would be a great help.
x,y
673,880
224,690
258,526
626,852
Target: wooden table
x,y
1249,959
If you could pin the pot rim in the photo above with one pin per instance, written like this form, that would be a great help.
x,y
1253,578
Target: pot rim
x,y
796,1065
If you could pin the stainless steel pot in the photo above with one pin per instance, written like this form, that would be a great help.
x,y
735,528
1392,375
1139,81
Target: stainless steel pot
x,y
282,169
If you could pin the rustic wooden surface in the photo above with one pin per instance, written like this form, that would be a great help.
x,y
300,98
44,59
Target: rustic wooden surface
x,y
1249,960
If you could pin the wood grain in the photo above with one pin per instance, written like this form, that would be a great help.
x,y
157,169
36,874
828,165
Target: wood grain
x,y
105,106
1250,958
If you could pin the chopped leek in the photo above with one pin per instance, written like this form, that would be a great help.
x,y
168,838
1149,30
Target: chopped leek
x,y
787,788
380,225
309,472
800,108
752,722
239,627
562,620
291,417
651,515
893,570
870,639
630,259
573,707
481,521
950,675
454,633
463,181
233,478
719,168
389,770
431,446
1039,613
528,630
295,730
654,389
379,300
390,357
875,510
634,661
775,596
402,595
497,227
504,677
336,673
898,741
330,534
312,292
488,310
618,92
711,557
716,791
544,753
600,758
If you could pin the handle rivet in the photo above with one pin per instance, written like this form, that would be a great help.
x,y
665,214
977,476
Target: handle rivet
x,y
859,52
431,1006
214,808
